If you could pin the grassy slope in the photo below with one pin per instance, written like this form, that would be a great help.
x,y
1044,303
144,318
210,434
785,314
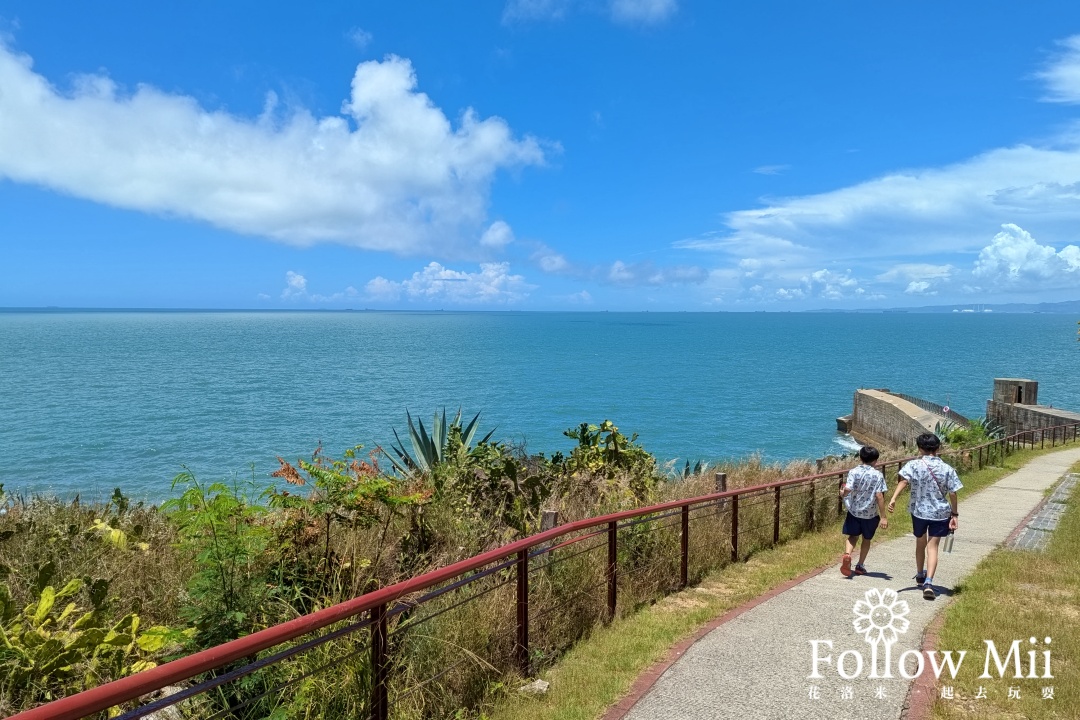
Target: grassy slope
x,y
599,671
1012,594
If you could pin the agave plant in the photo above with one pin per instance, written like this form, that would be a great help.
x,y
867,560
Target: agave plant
x,y
436,448
975,432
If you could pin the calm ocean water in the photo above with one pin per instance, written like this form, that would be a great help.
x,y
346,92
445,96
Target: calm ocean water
x,y
90,401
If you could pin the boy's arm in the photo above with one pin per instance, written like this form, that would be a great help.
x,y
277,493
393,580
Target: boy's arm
x,y
901,483
847,487
880,497
953,521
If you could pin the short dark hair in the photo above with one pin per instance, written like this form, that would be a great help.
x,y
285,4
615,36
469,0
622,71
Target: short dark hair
x,y
928,442
868,454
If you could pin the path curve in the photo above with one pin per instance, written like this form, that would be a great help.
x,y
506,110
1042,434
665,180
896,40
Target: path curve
x,y
757,664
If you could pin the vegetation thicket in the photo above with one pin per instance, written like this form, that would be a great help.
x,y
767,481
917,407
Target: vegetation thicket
x,y
93,592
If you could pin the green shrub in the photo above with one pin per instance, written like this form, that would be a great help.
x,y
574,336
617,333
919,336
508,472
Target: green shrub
x,y
52,648
221,526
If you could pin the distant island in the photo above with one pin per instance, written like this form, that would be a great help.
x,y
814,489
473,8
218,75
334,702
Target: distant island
x,y
1068,307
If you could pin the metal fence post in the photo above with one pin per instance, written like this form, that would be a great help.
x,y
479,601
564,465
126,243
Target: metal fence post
x,y
721,487
734,528
522,649
839,498
776,515
684,565
380,665
612,558
813,504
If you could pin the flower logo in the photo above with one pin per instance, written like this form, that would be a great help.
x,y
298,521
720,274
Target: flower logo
x,y
881,617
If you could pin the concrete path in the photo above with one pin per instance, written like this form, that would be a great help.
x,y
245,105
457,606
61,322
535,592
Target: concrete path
x,y
757,665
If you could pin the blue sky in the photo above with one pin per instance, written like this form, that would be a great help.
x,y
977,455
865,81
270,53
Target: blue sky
x,y
539,154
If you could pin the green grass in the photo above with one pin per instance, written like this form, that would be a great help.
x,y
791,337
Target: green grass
x,y
598,671
1011,595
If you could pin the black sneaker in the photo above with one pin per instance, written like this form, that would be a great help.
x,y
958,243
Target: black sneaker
x,y
920,578
928,592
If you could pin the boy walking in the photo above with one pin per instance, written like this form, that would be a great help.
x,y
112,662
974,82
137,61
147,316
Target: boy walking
x,y
864,498
933,506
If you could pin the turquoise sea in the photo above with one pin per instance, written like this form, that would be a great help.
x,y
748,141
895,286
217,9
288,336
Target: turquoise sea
x,y
94,400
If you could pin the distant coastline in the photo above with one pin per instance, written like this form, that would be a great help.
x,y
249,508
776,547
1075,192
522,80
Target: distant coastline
x,y
1066,307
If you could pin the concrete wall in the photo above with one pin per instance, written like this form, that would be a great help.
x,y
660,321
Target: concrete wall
x,y
887,421
1019,418
1014,406
1020,391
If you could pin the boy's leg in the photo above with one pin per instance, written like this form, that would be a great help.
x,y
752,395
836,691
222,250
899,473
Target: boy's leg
x,y
863,550
845,561
920,554
932,556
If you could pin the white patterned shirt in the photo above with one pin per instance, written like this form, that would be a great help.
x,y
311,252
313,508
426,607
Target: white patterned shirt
x,y
863,484
931,479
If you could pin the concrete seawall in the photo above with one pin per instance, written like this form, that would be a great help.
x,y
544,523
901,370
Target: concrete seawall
x,y
885,420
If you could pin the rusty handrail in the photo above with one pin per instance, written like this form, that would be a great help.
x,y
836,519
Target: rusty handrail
x,y
134,686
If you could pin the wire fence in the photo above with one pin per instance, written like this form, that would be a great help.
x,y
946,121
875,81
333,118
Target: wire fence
x,y
428,645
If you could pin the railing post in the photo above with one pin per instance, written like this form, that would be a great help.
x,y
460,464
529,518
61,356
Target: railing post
x,y
980,457
612,558
522,649
839,498
380,665
734,528
776,516
721,487
684,565
1042,439
813,504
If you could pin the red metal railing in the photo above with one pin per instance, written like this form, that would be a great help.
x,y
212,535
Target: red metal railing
x,y
501,566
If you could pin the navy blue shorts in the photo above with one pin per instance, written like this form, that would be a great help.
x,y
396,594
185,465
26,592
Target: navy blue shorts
x,y
860,526
936,528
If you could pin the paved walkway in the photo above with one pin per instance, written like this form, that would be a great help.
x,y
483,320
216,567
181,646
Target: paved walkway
x,y
757,665
1036,534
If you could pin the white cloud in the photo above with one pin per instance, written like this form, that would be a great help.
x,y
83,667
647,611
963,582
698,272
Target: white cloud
x,y
391,172
497,236
826,285
493,284
887,227
552,262
263,296
620,273
771,169
930,210
643,11
916,271
1014,260
295,286
786,293
382,289
359,37
647,273
1062,73
580,298
346,294
623,11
